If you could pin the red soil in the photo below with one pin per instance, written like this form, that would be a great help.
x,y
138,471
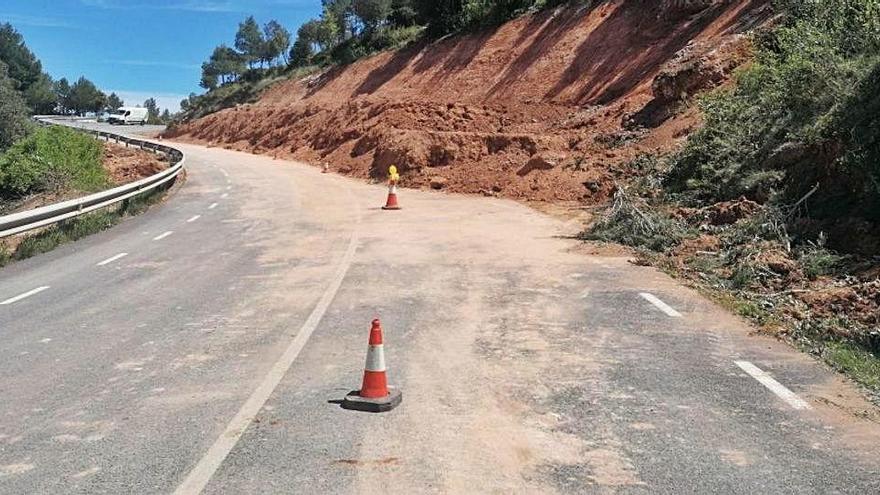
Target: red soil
x,y
536,109
126,165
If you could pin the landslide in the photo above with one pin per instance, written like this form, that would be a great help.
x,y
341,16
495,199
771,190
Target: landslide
x,y
552,106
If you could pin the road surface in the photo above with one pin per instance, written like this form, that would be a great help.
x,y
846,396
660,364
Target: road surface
x,y
203,345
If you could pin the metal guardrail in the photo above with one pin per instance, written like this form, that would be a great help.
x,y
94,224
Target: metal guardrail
x,y
17,223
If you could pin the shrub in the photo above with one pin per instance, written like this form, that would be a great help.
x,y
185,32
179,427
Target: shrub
x,y
14,123
631,224
803,113
52,159
817,261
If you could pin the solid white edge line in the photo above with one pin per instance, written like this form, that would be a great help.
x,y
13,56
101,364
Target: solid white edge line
x,y
662,306
201,474
23,296
163,235
194,218
777,388
112,259
213,205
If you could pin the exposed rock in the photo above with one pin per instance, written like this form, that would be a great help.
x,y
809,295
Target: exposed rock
x,y
438,182
698,67
541,161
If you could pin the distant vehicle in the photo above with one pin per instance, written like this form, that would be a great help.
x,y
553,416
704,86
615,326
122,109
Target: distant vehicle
x,y
103,116
129,115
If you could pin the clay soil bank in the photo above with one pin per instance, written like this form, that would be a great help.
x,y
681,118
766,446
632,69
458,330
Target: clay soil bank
x,y
549,107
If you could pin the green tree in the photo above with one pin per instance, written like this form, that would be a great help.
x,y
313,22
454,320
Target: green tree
x,y
86,97
41,95
403,13
152,110
14,122
114,102
441,16
23,67
62,94
209,76
189,102
338,13
371,12
276,41
166,116
249,41
26,71
301,53
227,63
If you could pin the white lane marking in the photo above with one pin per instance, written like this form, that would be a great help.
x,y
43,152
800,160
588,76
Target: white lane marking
x,y
23,296
194,218
112,259
224,172
224,195
777,388
662,306
199,477
228,188
213,205
163,235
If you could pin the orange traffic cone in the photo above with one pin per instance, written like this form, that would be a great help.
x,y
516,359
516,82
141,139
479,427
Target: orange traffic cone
x,y
375,395
391,203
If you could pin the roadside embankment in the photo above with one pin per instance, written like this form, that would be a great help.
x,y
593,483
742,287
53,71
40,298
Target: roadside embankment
x,y
549,107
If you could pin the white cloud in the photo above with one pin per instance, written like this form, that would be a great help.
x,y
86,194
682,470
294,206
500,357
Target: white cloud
x,y
171,101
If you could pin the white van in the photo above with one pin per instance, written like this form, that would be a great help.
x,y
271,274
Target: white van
x,y
129,115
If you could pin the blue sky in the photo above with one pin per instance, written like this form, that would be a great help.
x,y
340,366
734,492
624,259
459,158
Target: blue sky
x,y
140,48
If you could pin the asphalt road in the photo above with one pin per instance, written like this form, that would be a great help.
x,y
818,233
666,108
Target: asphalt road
x,y
209,356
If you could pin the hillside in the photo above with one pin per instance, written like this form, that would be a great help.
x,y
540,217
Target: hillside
x,y
551,106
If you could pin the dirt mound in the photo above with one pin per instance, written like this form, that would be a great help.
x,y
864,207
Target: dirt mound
x,y
534,109
130,164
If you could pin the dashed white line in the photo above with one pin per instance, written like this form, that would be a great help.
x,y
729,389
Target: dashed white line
x,y
224,172
213,205
777,388
163,235
228,188
202,473
23,296
112,259
224,195
662,306
194,218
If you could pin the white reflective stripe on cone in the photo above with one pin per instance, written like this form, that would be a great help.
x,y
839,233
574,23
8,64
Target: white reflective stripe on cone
x,y
375,359
392,189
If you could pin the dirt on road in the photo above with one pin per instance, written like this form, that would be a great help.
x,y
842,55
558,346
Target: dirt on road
x,y
550,107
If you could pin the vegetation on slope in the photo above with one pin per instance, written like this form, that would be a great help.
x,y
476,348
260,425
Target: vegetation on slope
x,y
347,30
52,159
774,205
